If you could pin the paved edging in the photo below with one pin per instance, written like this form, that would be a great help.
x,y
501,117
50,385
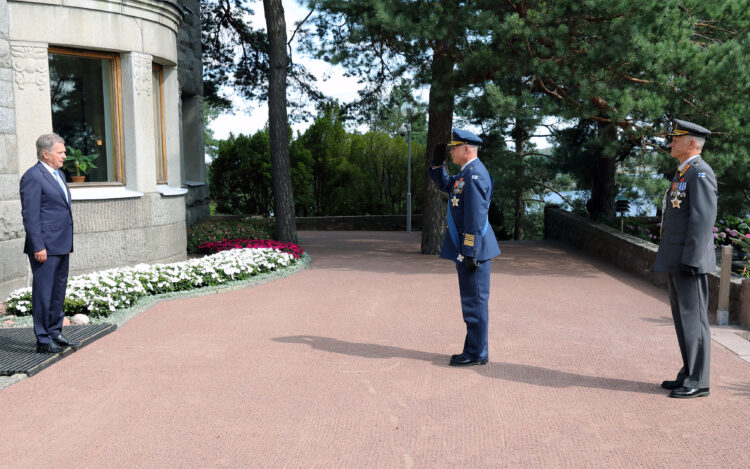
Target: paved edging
x,y
731,338
121,317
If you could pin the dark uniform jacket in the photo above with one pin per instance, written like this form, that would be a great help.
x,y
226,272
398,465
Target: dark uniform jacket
x,y
689,213
469,199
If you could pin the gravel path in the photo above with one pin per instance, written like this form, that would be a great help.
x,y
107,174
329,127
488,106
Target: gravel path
x,y
345,365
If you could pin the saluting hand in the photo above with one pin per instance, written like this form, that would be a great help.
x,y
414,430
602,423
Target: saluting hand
x,y
438,155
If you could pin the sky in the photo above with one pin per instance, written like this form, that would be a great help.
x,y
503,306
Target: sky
x,y
249,117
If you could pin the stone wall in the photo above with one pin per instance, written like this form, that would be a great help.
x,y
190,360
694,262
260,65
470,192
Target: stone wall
x,y
150,229
111,230
13,263
637,256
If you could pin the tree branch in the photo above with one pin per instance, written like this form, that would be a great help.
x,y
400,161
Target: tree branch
x,y
291,39
629,78
565,199
547,90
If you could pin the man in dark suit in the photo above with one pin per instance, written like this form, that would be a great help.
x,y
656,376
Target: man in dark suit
x,y
686,254
469,240
48,221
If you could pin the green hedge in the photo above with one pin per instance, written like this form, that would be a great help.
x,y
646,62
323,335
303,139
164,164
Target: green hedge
x,y
213,231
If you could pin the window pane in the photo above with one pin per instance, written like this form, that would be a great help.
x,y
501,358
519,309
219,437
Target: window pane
x,y
161,171
83,113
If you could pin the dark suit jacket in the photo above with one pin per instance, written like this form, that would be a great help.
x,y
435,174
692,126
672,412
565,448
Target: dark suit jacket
x,y
687,227
47,217
471,191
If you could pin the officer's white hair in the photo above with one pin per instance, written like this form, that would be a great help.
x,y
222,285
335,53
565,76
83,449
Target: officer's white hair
x,y
699,141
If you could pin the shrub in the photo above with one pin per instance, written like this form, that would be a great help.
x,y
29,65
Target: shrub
x,y
650,231
216,231
729,229
227,244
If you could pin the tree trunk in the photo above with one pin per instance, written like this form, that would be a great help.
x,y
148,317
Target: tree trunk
x,y
439,130
519,205
518,213
601,206
283,195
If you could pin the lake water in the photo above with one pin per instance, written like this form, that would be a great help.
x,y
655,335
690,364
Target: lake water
x,y
640,206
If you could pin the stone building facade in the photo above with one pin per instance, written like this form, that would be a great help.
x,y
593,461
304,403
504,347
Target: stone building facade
x,y
120,80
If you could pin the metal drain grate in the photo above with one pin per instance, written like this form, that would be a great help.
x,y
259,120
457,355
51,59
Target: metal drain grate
x,y
18,347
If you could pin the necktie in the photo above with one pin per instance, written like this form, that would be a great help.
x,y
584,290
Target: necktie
x,y
62,185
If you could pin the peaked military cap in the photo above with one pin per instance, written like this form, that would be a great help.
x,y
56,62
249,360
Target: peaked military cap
x,y
681,127
464,136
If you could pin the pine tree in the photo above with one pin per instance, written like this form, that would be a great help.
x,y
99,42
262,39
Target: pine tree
x,y
382,40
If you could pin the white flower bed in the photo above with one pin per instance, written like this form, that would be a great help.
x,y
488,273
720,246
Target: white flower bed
x,y
100,293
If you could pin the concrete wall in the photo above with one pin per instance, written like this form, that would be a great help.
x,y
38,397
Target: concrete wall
x,y
635,255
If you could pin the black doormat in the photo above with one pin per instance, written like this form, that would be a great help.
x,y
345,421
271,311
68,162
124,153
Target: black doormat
x,y
18,347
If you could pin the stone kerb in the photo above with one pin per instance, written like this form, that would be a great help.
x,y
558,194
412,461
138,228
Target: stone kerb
x,y
635,255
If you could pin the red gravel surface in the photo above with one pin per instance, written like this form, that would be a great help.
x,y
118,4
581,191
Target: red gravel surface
x,y
345,365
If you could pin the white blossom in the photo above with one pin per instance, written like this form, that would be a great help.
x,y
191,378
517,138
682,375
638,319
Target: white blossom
x,y
102,292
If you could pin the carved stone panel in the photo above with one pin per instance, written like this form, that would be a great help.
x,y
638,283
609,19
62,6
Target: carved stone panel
x,y
142,74
30,66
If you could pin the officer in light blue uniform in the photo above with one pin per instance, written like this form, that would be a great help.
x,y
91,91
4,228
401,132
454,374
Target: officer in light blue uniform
x,y
469,240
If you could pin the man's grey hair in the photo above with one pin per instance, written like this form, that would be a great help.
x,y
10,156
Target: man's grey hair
x,y
46,142
699,141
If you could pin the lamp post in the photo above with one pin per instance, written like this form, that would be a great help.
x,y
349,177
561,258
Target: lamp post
x,y
407,110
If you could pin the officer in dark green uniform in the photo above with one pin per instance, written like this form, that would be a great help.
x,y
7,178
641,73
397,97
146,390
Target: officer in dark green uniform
x,y
469,240
686,254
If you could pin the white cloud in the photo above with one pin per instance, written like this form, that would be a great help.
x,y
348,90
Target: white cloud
x,y
248,118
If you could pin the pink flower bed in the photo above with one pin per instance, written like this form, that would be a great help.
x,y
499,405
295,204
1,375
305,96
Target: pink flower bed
x,y
227,244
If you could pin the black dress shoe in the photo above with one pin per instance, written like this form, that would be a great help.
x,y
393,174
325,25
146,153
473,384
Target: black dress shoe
x,y
671,384
65,342
686,393
462,360
51,347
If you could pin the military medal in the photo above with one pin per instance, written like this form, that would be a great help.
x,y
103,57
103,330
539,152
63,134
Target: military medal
x,y
454,201
458,186
679,186
460,258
